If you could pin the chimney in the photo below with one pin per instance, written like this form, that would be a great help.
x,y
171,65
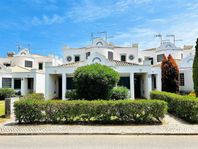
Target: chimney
x,y
10,54
135,45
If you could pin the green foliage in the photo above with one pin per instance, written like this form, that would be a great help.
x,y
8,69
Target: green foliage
x,y
185,107
195,70
6,93
71,95
98,111
119,93
34,96
95,81
170,73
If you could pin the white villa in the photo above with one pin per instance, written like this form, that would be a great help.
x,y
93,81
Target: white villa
x,y
25,72
139,70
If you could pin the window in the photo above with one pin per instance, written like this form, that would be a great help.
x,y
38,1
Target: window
x,y
123,58
87,55
182,56
17,83
124,81
160,57
6,83
40,66
6,64
28,64
70,83
110,55
77,58
151,59
181,79
30,83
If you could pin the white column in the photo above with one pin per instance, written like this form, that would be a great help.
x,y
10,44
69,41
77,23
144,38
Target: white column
x,y
132,86
158,82
63,86
149,85
49,86
12,85
0,82
34,84
23,86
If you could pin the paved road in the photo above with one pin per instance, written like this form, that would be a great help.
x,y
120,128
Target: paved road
x,y
98,142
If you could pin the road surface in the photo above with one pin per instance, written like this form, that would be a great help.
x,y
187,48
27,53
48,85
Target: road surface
x,y
98,142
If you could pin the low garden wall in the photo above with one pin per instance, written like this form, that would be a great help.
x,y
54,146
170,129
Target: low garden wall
x,y
97,111
185,107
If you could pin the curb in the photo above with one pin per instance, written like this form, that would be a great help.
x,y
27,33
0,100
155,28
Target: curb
x,y
136,134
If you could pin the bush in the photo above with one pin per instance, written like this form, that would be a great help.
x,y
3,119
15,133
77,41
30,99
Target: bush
x,y
98,111
119,93
71,94
95,81
6,93
34,96
185,107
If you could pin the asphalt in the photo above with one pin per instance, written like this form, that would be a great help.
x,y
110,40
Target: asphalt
x,y
98,142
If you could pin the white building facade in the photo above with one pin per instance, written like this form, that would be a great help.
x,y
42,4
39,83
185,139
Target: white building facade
x,y
138,76
25,72
183,56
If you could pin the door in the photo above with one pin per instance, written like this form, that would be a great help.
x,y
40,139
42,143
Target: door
x,y
60,88
137,86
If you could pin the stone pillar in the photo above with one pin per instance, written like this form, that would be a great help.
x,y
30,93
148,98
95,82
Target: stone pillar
x,y
64,89
158,82
132,93
0,82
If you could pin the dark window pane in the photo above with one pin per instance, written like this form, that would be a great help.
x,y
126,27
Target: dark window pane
x,y
181,79
124,81
6,83
110,55
40,66
160,57
30,83
77,58
70,83
123,58
87,55
28,64
17,83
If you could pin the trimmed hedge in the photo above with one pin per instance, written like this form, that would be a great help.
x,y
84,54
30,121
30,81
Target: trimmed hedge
x,y
185,107
119,93
95,81
6,93
34,96
98,111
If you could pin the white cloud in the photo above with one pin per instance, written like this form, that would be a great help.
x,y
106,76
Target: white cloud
x,y
90,11
46,20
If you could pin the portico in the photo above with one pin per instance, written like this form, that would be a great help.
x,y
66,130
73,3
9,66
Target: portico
x,y
137,78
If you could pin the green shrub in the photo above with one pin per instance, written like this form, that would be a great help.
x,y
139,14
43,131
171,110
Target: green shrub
x,y
95,81
98,111
6,93
119,93
71,94
34,96
185,107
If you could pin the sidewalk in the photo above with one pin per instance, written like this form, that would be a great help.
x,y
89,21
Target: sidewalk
x,y
171,126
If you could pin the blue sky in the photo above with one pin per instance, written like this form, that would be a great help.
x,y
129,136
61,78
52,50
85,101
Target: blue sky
x,y
47,25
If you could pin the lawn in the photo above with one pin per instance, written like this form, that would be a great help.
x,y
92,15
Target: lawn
x,y
2,108
2,111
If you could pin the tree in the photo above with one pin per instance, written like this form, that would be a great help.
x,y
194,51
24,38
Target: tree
x,y
95,81
195,69
170,73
